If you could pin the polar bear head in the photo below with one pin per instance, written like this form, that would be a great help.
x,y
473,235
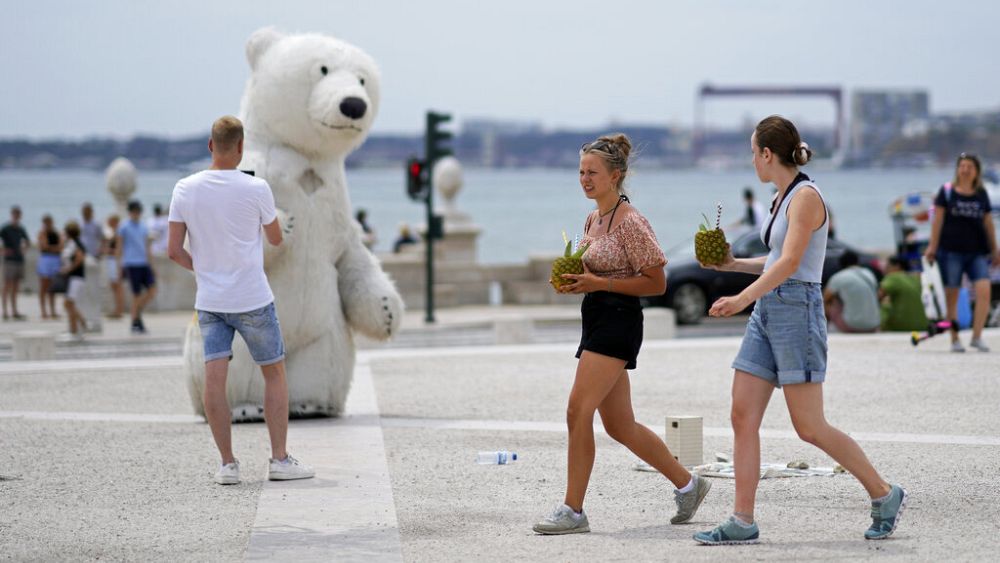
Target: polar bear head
x,y
314,93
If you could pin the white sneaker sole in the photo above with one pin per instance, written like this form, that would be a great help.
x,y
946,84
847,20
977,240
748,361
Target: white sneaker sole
x,y
276,476
580,530
728,542
227,480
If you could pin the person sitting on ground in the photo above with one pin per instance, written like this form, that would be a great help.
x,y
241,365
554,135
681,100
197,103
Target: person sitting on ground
x,y
851,297
902,307
50,245
15,242
72,266
405,238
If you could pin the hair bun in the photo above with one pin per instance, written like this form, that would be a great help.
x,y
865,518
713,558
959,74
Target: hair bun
x,y
801,155
621,142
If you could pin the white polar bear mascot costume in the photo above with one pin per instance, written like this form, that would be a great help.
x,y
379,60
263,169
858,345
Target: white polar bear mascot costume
x,y
310,101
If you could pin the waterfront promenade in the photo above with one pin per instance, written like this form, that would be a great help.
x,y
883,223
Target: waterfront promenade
x,y
102,458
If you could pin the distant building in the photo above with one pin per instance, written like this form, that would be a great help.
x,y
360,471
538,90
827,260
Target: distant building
x,y
488,132
878,117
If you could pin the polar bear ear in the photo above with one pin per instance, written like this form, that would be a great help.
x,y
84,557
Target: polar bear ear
x,y
260,42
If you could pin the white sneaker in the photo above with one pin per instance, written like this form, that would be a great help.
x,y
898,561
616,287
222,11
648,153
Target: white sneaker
x,y
228,474
979,345
288,469
956,346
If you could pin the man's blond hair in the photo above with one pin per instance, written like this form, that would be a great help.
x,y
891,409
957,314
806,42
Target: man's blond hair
x,y
227,132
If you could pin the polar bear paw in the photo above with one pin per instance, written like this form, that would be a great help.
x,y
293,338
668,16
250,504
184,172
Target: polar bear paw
x,y
389,320
287,222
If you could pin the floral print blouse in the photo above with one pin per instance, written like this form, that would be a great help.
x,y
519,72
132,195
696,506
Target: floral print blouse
x,y
625,251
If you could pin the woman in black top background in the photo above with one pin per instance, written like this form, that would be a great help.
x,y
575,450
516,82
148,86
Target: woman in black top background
x,y
963,241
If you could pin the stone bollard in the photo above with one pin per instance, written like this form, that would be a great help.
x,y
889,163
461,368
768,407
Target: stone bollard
x,y
659,323
32,345
93,292
513,330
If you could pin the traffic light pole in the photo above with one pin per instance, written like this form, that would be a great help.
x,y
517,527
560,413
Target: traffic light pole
x,y
435,147
429,244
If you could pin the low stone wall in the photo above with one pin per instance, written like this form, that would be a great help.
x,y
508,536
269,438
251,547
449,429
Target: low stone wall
x,y
469,283
456,283
175,285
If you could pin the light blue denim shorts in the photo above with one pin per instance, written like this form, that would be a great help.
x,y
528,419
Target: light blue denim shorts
x,y
785,340
954,264
259,329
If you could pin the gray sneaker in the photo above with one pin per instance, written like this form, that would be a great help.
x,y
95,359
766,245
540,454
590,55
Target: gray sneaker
x,y
886,514
688,503
562,521
729,533
979,345
956,346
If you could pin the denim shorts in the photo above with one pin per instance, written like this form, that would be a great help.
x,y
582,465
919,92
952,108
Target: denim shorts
x,y
259,329
954,264
785,340
48,265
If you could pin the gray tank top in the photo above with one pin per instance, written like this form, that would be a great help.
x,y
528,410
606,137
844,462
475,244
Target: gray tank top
x,y
811,265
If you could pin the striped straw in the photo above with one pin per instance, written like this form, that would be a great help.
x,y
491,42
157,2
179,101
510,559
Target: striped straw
x,y
718,214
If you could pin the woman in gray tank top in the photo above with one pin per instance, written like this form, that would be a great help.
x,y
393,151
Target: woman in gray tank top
x,y
785,342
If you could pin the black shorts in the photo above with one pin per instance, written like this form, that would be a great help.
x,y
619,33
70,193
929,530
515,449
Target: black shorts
x,y
612,326
139,277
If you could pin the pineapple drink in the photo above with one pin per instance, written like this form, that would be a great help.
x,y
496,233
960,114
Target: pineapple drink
x,y
570,263
710,246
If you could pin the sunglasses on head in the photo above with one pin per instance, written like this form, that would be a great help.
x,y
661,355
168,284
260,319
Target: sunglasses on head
x,y
596,146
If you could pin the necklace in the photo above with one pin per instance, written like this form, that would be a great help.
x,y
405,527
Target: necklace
x,y
601,216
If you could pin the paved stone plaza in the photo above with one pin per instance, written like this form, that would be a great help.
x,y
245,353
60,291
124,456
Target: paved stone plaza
x,y
102,459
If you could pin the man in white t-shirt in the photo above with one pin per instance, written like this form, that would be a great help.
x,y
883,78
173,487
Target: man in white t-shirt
x,y
221,210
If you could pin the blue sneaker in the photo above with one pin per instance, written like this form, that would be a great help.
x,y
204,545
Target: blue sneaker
x,y
886,514
729,533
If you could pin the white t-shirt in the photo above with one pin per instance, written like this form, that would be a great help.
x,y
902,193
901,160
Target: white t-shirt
x,y
158,233
224,211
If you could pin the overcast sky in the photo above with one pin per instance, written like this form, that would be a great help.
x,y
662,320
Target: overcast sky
x,y
121,67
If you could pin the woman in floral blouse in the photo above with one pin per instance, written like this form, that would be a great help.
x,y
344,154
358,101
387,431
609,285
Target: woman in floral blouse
x,y
622,263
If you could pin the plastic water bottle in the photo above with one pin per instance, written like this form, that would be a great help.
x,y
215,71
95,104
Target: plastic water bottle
x,y
502,457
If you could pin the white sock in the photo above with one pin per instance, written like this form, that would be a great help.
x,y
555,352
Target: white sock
x,y
741,522
687,488
576,515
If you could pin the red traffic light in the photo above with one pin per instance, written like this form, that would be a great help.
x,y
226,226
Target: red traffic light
x,y
416,178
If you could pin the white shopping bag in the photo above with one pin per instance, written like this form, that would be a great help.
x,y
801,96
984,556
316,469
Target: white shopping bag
x,y
932,291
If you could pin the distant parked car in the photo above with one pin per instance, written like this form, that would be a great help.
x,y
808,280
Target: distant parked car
x,y
691,289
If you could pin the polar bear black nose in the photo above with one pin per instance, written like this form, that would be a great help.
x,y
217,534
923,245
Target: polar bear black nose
x,y
353,107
